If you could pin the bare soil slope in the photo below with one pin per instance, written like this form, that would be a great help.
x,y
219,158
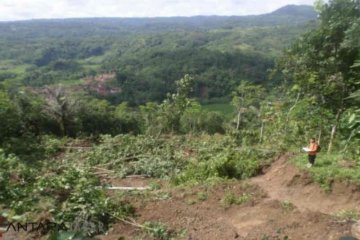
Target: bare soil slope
x,y
285,204
284,182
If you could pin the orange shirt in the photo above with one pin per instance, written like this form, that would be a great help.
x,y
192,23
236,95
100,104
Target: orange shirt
x,y
313,148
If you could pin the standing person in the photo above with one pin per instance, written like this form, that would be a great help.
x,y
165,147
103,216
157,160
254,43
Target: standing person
x,y
313,150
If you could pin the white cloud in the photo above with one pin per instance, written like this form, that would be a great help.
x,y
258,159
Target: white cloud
x,y
29,9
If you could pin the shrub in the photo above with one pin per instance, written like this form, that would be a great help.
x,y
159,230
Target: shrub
x,y
226,164
67,194
158,231
52,144
78,196
147,155
230,199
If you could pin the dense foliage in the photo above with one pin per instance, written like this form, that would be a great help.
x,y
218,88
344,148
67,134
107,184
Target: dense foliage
x,y
148,56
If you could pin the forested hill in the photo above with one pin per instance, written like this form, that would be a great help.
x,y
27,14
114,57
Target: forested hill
x,y
149,54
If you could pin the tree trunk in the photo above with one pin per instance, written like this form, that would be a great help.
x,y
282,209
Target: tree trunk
x,y
333,131
61,126
319,137
349,139
293,106
238,120
62,130
261,131
288,114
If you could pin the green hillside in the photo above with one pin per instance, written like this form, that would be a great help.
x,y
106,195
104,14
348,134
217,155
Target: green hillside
x,y
149,54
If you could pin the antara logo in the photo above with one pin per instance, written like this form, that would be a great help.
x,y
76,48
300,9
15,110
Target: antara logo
x,y
33,226
16,227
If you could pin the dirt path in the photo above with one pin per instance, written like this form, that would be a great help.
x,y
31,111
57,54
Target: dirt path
x,y
296,205
284,182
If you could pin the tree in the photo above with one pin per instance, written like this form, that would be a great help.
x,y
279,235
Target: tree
x,y
152,123
246,96
175,105
9,117
352,120
30,106
196,120
62,108
319,63
95,116
129,119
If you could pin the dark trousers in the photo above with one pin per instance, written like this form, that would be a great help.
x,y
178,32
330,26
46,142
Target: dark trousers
x,y
312,158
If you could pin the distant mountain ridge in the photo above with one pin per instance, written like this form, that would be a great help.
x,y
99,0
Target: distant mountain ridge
x,y
291,9
296,10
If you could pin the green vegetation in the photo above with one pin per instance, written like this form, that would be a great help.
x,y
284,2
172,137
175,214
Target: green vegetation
x,y
330,167
65,194
154,100
223,161
287,206
230,199
158,231
347,216
146,58
142,155
224,108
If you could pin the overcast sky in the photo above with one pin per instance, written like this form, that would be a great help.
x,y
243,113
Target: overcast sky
x,y
32,9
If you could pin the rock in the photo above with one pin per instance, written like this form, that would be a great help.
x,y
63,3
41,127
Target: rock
x,y
355,230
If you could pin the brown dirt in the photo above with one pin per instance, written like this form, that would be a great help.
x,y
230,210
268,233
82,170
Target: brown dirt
x,y
285,202
283,181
